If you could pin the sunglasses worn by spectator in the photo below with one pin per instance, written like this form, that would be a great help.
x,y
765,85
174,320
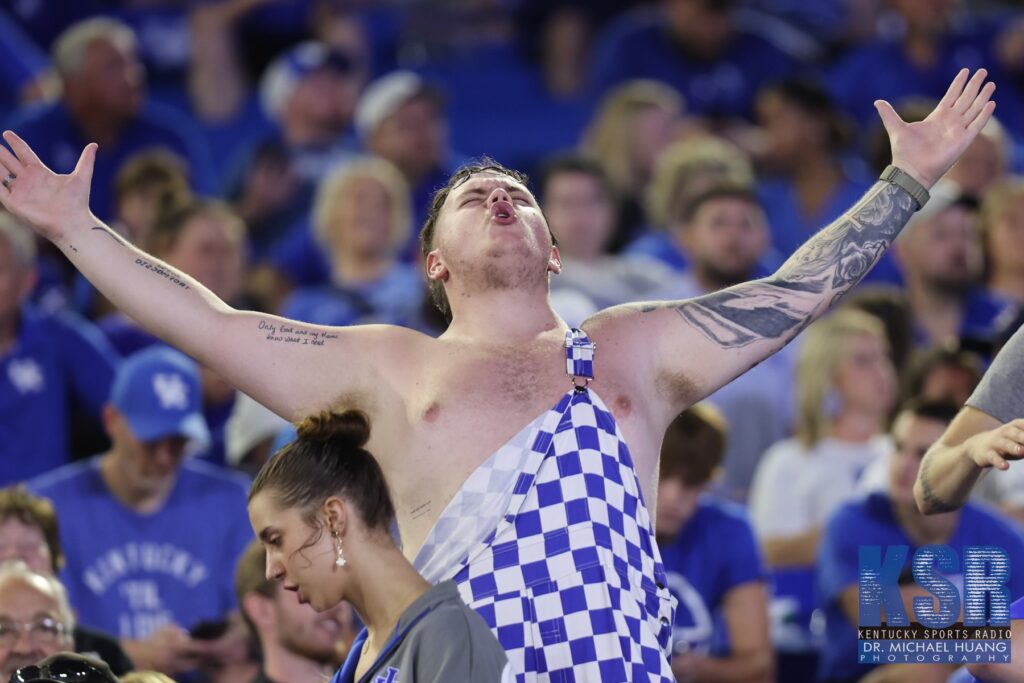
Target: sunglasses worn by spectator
x,y
44,631
65,670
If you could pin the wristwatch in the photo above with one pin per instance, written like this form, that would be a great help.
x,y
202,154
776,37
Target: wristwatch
x,y
900,178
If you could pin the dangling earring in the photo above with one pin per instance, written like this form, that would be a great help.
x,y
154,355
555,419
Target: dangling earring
x,y
340,561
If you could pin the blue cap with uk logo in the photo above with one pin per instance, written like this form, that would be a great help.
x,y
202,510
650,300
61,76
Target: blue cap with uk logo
x,y
159,393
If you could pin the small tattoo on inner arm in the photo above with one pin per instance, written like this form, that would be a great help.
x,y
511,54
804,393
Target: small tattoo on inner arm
x,y
421,510
113,235
286,333
932,499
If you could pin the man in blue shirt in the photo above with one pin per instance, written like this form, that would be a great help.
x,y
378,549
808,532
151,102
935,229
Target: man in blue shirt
x,y
721,625
696,47
103,102
889,518
151,539
50,366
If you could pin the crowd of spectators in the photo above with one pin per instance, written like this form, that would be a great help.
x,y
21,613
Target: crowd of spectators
x,y
284,154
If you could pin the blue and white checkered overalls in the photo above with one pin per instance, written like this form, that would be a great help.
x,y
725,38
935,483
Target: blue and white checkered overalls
x,y
551,543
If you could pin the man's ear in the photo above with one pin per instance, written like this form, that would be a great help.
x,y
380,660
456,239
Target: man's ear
x,y
435,267
258,608
555,261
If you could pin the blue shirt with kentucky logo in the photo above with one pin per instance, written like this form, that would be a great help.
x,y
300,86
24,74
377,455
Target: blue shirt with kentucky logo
x,y
870,521
56,362
129,573
713,553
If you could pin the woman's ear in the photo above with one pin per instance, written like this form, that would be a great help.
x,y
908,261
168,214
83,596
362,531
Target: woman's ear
x,y
335,513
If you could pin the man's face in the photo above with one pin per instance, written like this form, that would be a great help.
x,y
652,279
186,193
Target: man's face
x,y
326,99
491,234
31,625
413,138
725,238
211,248
703,26
1005,238
912,437
944,250
25,542
310,634
676,504
580,213
15,281
111,79
149,467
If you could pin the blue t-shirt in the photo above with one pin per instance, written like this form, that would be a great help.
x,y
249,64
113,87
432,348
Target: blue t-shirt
x,y
395,298
870,521
128,573
57,363
639,45
57,140
701,569
1016,612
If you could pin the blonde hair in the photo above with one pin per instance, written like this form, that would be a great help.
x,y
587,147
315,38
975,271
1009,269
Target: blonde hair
x,y
333,188
20,237
826,345
689,167
70,46
998,198
609,137
17,570
145,677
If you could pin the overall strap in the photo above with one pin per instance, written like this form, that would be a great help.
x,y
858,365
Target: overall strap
x,y
579,358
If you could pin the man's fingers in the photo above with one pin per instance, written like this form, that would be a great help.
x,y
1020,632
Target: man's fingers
x,y
21,148
890,119
955,88
983,118
963,102
979,102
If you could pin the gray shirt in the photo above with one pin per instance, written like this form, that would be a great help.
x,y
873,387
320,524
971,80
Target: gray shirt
x,y
438,638
1001,391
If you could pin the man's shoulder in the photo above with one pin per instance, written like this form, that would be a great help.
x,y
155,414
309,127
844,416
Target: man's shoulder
x,y
66,480
984,524
213,479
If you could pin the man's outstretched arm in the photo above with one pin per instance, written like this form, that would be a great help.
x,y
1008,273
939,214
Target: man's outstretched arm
x,y
287,366
700,344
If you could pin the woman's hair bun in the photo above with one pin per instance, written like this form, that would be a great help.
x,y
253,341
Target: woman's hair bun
x,y
349,428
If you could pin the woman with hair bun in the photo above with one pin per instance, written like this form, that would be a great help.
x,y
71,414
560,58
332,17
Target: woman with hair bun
x,y
322,510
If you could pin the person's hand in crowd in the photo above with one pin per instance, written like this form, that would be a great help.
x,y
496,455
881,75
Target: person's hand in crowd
x,y
32,192
687,667
927,149
997,447
169,650
230,649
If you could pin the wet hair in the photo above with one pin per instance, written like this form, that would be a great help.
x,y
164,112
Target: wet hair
x,y
327,459
35,511
694,445
428,233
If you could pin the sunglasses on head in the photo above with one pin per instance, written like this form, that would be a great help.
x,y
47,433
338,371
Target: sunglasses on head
x,y
65,670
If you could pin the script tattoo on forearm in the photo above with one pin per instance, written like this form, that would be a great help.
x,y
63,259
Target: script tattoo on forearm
x,y
826,267
286,333
932,500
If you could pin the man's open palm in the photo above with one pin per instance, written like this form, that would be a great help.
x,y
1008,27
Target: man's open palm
x,y
927,149
39,196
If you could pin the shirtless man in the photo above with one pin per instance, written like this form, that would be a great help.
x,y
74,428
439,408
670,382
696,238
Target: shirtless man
x,y
544,527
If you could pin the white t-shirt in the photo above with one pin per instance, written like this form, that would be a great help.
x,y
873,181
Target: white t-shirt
x,y
796,489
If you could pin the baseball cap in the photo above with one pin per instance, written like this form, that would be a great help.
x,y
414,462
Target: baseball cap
x,y
158,392
286,72
65,667
385,95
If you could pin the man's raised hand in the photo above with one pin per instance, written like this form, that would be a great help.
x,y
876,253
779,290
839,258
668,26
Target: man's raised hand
x,y
927,149
37,195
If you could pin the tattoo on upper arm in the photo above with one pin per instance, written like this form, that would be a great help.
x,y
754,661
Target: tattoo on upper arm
x,y
815,276
932,499
286,333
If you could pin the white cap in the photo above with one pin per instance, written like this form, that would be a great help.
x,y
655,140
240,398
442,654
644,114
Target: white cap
x,y
286,72
249,425
384,96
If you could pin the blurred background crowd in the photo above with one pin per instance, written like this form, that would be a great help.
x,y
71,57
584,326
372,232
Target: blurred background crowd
x,y
283,153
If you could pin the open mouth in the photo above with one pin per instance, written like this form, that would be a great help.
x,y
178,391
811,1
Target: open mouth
x,y
503,213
